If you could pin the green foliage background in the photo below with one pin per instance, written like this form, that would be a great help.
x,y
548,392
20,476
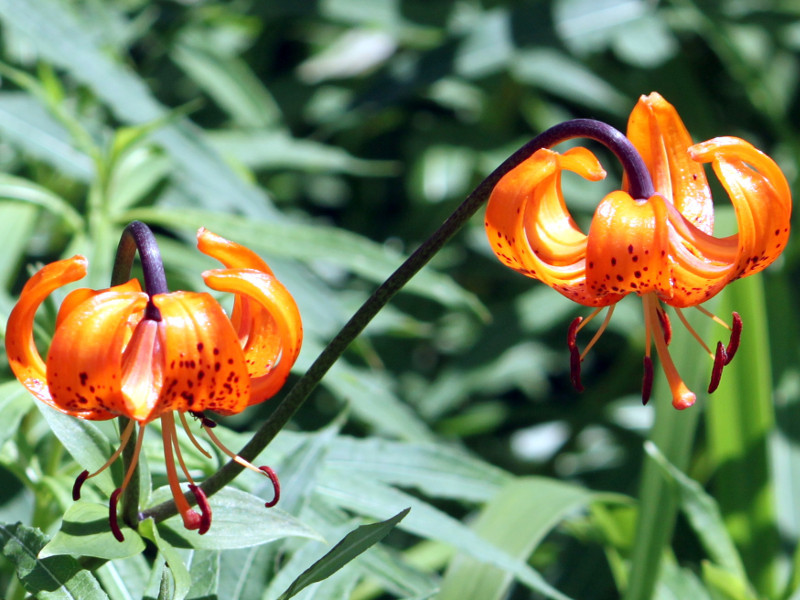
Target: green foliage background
x,y
332,137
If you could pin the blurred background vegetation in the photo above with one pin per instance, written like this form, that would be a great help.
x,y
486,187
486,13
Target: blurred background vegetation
x,y
333,136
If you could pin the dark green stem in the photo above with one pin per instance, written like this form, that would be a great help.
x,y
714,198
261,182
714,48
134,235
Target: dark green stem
x,y
639,183
137,237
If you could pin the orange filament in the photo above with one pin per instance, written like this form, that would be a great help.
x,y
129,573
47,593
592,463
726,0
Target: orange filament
x,y
682,396
191,520
193,439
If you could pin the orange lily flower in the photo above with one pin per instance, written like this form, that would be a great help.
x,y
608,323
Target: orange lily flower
x,y
123,352
658,244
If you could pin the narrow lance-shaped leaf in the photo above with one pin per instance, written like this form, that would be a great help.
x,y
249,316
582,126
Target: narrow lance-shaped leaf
x,y
353,544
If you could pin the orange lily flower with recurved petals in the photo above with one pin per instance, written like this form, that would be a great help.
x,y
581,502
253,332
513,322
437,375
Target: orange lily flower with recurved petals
x,y
655,241
142,355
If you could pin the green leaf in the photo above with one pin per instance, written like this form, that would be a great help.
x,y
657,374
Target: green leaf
x,y
703,514
16,229
135,175
279,150
204,569
125,579
353,544
231,83
676,583
436,470
507,524
54,30
368,497
85,532
26,124
180,574
739,419
22,190
84,441
239,520
311,243
725,585
52,578
15,401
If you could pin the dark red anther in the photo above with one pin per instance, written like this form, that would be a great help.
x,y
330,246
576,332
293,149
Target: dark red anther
x,y
572,332
112,515
574,354
720,360
666,326
276,485
647,380
76,487
736,337
205,508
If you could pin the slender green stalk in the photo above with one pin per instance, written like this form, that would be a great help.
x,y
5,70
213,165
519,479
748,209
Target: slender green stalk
x,y
739,421
639,184
673,433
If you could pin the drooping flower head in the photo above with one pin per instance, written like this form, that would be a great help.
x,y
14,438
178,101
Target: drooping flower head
x,y
146,354
654,238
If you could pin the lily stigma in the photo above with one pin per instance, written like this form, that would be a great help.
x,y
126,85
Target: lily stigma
x,y
143,355
653,238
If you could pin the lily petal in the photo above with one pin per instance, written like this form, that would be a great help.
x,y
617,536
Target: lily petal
x,y
24,358
661,138
276,331
84,362
761,198
204,368
627,248
530,228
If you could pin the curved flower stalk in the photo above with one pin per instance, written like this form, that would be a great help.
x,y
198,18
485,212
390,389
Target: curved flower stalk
x,y
146,354
655,241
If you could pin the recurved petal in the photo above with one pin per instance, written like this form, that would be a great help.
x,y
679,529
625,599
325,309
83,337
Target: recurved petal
x,y
658,133
230,254
530,228
275,331
627,249
204,367
24,358
75,297
760,196
84,362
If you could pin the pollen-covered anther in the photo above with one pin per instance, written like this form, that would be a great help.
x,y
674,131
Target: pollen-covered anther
x,y
736,336
647,380
276,485
720,360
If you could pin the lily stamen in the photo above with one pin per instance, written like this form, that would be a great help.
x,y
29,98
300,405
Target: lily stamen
x,y
716,370
264,470
191,520
694,333
84,475
112,513
193,439
599,332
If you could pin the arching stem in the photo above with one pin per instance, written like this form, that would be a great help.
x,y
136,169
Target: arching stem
x,y
640,186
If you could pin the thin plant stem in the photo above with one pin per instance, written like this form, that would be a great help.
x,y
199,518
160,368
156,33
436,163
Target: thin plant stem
x,y
137,237
640,186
